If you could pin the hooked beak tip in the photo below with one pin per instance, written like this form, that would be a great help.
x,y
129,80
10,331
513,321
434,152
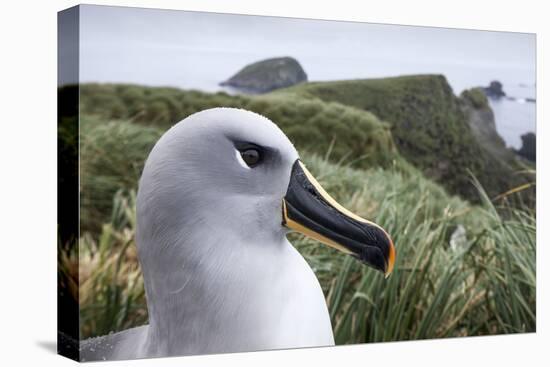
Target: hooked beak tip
x,y
391,260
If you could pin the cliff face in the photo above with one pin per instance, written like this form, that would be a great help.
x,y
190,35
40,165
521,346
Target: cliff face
x,y
267,75
433,129
480,117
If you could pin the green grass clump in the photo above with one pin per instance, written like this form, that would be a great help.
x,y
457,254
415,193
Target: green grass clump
x,y
112,155
485,286
476,97
111,292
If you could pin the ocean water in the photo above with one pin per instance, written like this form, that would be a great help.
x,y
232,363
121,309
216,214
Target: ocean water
x,y
515,118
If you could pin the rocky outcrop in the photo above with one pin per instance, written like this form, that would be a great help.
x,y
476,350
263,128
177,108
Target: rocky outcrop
x,y
494,90
267,75
528,148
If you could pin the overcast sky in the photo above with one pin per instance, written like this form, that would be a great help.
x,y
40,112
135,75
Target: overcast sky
x,y
197,50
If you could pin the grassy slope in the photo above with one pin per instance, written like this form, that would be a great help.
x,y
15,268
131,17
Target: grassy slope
x,y
428,126
486,286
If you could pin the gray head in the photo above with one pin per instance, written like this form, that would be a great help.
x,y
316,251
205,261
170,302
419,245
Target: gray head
x,y
224,169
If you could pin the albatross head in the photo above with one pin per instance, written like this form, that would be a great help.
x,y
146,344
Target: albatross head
x,y
227,177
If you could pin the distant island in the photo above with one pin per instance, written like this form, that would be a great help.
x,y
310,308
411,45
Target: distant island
x,y
495,91
267,75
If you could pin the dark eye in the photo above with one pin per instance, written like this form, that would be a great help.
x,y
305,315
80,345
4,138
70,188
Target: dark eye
x,y
251,156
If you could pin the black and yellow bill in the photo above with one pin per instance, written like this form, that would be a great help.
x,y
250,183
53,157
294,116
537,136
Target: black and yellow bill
x,y
310,210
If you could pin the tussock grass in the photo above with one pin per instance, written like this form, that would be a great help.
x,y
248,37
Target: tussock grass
x,y
112,155
485,286
111,292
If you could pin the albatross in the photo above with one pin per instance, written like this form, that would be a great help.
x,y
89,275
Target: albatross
x,y
218,194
